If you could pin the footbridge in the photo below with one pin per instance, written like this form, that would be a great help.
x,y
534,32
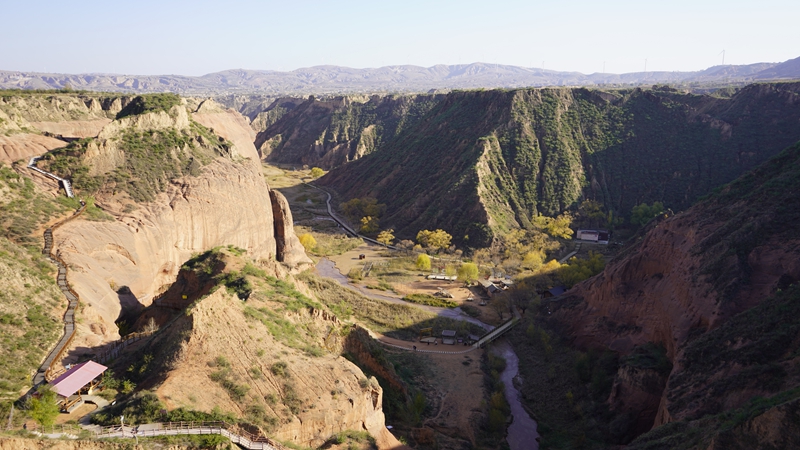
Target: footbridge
x,y
62,181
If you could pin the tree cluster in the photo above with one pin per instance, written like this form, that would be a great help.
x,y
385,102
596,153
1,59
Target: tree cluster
x,y
435,240
643,213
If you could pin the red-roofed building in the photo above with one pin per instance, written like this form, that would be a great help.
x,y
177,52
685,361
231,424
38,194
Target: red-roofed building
x,y
80,378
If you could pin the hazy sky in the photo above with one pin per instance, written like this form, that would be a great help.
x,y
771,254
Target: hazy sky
x,y
198,37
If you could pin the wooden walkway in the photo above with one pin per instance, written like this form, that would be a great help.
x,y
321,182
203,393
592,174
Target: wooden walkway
x,y
72,298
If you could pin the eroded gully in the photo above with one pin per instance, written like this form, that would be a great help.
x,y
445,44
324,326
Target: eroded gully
x,y
522,432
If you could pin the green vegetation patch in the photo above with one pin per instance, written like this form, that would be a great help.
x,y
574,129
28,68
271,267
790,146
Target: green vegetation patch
x,y
148,103
426,299
23,209
151,159
30,302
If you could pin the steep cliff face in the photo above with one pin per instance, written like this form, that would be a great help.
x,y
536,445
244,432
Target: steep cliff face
x,y
329,133
157,221
531,151
709,285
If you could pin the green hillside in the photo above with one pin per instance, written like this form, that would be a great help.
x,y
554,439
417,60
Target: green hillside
x,y
480,162
331,132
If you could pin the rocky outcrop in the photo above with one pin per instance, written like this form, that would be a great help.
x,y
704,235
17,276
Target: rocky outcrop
x,y
25,118
73,129
288,247
143,247
230,125
361,346
637,392
313,398
778,427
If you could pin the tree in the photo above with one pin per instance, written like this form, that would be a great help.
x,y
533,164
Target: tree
x,y
555,226
499,304
591,214
316,172
406,245
386,237
468,272
423,262
533,260
577,270
369,224
436,240
521,299
642,213
307,241
44,409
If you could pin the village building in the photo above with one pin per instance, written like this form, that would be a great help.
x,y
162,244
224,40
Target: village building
x,y
449,337
599,236
489,287
554,292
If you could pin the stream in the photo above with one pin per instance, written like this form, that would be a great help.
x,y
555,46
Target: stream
x,y
522,432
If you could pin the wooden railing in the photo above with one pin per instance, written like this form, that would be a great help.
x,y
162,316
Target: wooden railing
x,y
233,432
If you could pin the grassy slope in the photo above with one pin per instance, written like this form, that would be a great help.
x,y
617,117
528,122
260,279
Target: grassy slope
x,y
561,145
30,302
152,158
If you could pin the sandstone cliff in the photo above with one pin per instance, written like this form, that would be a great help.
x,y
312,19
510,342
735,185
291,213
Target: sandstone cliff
x,y
224,202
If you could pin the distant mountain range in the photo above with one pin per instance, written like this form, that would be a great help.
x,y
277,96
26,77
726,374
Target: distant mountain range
x,y
342,80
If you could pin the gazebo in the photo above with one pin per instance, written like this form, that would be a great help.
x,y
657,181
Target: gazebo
x,y
80,378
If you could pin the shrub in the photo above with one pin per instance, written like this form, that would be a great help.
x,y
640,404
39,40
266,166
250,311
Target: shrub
x,y
308,242
423,262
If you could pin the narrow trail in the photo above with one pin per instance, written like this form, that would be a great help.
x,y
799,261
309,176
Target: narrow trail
x,y
72,298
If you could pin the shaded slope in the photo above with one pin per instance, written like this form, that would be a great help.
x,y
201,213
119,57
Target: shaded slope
x,y
717,287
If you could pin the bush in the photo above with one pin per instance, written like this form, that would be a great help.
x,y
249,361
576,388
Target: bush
x,y
307,241
425,299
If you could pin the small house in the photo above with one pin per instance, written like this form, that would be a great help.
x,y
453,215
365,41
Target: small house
x,y
449,337
599,236
554,292
490,288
